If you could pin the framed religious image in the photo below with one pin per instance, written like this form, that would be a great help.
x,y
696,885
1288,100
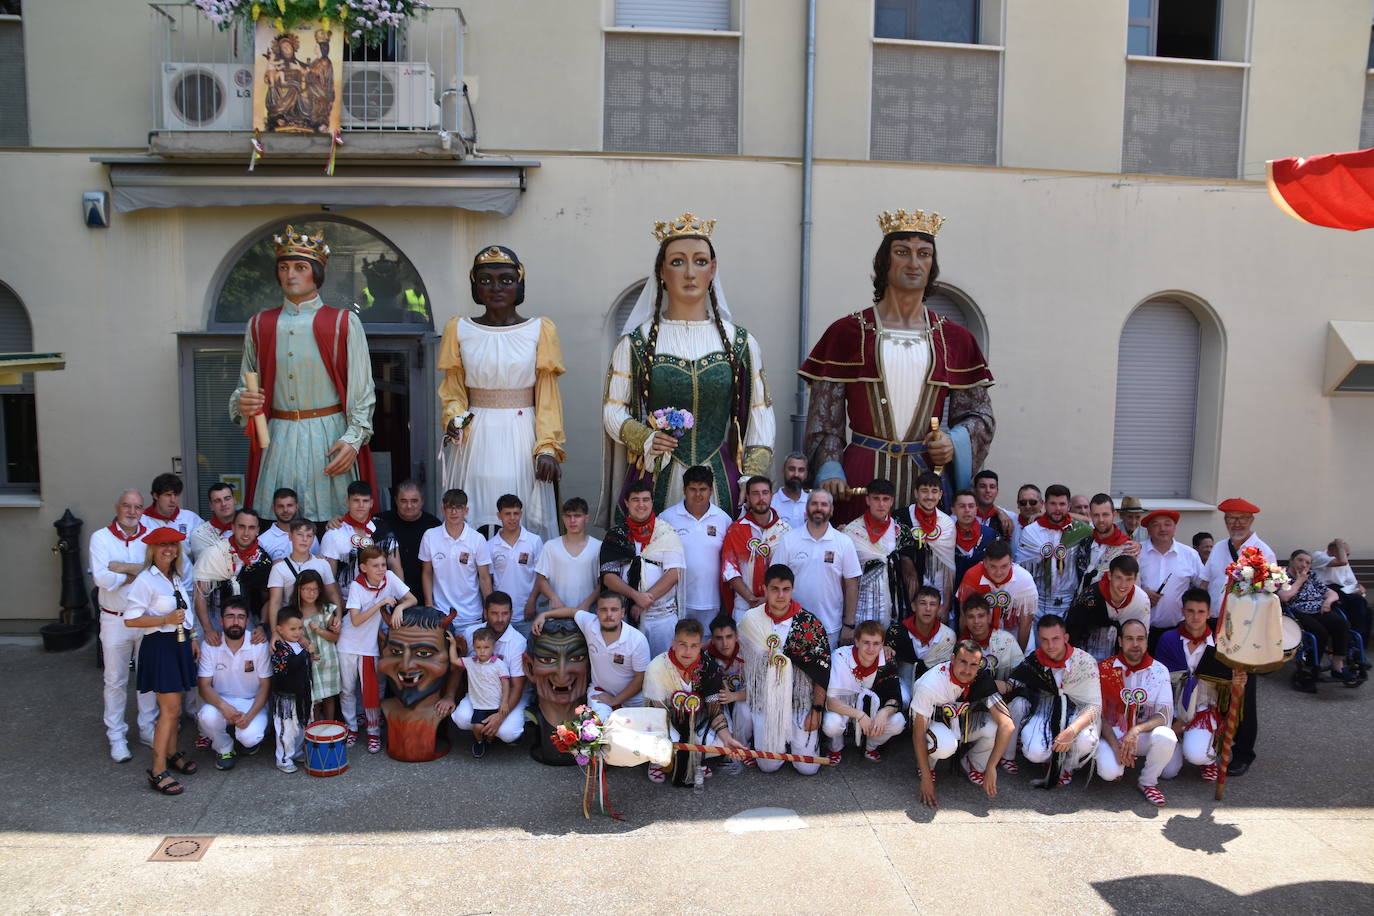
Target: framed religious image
x,y
235,481
297,78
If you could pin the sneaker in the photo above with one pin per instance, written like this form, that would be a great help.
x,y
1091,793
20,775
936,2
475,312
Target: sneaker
x,y
374,743
1009,765
1153,795
835,757
287,767
873,755
119,752
203,743
479,749
1210,772
706,772
225,761
974,776
751,762
1065,777
351,739
251,751
657,774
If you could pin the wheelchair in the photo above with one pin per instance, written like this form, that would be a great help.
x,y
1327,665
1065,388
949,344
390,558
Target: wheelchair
x,y
1308,661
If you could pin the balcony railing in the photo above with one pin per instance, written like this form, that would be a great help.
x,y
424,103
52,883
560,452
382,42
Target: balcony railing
x,y
411,84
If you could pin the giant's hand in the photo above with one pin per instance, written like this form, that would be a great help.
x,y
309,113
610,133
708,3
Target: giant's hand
x,y
835,486
341,459
939,447
250,402
660,444
547,469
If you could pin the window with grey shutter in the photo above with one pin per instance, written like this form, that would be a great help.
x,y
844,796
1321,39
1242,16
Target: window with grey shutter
x,y
1182,119
14,103
673,14
621,312
1156,402
18,412
1367,116
934,104
671,94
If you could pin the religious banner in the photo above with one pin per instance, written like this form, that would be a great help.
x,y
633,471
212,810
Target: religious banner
x,y
297,77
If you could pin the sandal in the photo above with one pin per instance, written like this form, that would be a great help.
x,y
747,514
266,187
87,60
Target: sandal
x,y
1153,795
183,764
156,783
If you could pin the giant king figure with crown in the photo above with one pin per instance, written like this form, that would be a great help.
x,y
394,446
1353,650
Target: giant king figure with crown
x,y
912,385
316,390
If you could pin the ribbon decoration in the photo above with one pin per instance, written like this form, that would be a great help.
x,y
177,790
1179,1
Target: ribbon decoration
x,y
335,141
258,152
594,791
719,750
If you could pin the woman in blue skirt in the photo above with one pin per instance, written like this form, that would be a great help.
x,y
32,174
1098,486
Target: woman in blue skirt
x,y
166,661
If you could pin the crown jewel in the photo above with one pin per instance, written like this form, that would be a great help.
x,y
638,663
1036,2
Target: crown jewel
x,y
492,256
293,244
684,225
915,221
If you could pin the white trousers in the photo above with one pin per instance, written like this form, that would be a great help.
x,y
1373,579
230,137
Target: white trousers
x,y
350,676
214,727
1037,747
1196,748
1157,746
290,738
801,742
704,615
657,627
741,719
1019,707
118,646
980,742
512,726
833,724
604,710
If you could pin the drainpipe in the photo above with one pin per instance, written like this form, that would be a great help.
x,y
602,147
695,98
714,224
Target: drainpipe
x,y
804,301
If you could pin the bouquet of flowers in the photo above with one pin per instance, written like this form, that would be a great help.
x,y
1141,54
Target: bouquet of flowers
x,y
671,420
584,737
1253,574
454,433
364,21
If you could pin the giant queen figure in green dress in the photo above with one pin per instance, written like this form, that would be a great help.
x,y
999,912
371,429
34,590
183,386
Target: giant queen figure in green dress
x,y
680,349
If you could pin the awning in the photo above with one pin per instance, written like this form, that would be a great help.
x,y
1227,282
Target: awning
x,y
1350,357
486,187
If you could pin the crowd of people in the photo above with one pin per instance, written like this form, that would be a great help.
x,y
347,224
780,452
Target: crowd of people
x,y
1068,634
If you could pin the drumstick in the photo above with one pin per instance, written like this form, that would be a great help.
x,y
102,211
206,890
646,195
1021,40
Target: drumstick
x,y
763,755
250,381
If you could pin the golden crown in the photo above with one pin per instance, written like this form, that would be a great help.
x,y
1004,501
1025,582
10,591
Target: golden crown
x,y
323,34
295,244
915,221
685,225
495,257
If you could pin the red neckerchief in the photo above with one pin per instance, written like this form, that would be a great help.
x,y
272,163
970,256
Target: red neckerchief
x,y
958,683
361,528
875,528
929,521
1115,539
966,544
119,532
985,643
772,519
725,660
228,526
1044,522
687,673
248,555
1011,571
1023,521
863,671
922,638
791,612
1145,662
1105,591
1194,643
641,532
374,589
153,513
1048,662
987,514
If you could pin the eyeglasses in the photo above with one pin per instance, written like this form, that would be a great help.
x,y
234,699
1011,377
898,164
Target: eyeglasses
x,y
504,281
1028,502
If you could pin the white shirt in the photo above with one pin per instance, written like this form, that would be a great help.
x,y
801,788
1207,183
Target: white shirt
x,y
1340,577
235,675
820,565
512,568
277,543
105,548
936,688
485,685
1039,545
943,635
362,640
843,684
510,645
701,539
793,511
283,578
1215,571
153,595
1159,691
186,521
612,666
455,561
342,544
1179,568
571,577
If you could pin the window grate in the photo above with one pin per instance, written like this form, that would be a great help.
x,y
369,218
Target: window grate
x,y
671,94
1182,119
933,104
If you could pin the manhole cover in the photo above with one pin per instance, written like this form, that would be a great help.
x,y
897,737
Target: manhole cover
x,y
181,849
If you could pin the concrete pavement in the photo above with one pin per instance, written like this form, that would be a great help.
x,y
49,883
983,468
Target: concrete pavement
x,y
506,835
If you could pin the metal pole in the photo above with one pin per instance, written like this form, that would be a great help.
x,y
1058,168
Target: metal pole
x,y
808,152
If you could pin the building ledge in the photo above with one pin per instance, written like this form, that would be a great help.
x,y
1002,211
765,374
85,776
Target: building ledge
x,y
21,501
357,144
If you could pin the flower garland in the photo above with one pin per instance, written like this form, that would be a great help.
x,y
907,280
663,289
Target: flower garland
x,y
365,21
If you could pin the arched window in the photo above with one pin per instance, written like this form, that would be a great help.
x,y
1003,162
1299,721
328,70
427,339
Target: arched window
x,y
18,416
366,273
953,304
1165,441
624,304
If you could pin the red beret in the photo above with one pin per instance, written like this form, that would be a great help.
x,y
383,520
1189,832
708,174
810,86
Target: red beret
x,y
1160,513
1236,504
164,535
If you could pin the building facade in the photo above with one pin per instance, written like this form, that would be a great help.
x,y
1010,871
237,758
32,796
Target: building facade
x,y
1156,326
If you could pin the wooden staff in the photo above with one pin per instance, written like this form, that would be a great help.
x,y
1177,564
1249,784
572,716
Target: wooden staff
x,y
715,749
935,428
1227,736
250,379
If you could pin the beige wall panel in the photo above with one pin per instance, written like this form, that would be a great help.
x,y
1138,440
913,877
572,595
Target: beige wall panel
x,y
773,74
844,78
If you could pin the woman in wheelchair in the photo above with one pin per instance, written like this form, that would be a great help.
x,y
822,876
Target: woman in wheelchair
x,y
1314,607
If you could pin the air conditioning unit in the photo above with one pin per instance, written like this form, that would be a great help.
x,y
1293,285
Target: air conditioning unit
x,y
216,96
389,96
